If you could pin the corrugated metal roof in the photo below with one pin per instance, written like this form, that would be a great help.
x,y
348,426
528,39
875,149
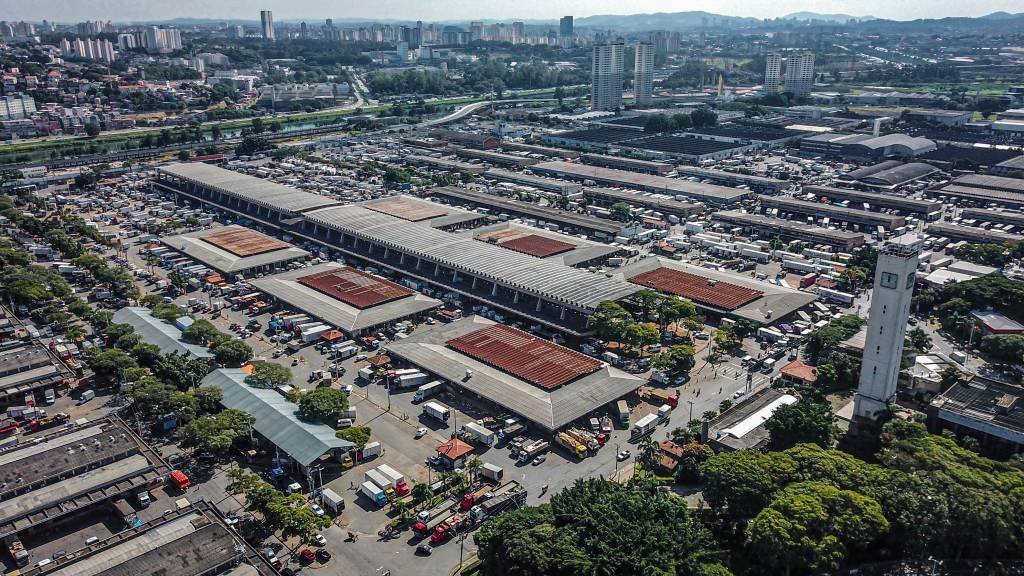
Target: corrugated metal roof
x,y
164,335
275,418
194,245
249,188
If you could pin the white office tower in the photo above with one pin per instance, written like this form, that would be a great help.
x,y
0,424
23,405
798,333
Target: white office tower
x,y
887,325
267,24
606,80
643,74
772,73
800,74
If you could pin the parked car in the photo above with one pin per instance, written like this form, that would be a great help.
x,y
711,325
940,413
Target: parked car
x,y
323,555
307,556
316,509
425,549
420,433
320,540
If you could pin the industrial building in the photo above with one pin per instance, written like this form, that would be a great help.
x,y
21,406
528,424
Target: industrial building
x,y
986,409
788,230
348,299
539,381
542,150
740,134
419,211
161,333
983,190
718,293
235,249
446,164
496,158
890,174
758,184
971,234
542,291
691,148
471,139
825,214
592,138
192,540
542,243
928,209
742,427
560,187
70,471
681,189
663,203
993,216
27,368
276,419
247,196
502,207
630,164
865,147
1009,167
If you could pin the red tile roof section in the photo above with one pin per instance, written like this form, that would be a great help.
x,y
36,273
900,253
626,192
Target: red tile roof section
x,y
721,295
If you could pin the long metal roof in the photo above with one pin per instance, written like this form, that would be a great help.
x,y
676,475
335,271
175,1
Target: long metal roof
x,y
249,188
275,417
155,331
520,272
193,244
648,182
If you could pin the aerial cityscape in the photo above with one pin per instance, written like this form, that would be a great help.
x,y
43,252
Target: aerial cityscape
x,y
517,290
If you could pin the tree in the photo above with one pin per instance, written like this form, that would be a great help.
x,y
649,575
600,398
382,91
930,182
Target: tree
x,y
232,353
678,359
178,280
421,492
145,354
109,364
639,334
217,433
169,312
181,369
92,130
809,420
325,405
949,377
358,435
149,396
286,513
742,483
621,211
598,527
201,332
703,116
268,375
673,309
1007,348
208,398
647,300
813,526
473,466
32,284
609,320
920,339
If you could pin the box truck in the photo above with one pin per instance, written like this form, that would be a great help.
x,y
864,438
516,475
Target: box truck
x,y
374,493
478,433
427,390
436,410
645,425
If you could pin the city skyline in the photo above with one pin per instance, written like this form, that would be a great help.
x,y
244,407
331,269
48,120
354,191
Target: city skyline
x,y
459,10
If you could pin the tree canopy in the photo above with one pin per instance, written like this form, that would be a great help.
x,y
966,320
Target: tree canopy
x,y
232,353
268,375
325,405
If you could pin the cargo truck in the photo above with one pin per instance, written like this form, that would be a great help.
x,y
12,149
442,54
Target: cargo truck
x,y
504,498
396,479
381,481
623,409
507,433
427,390
529,452
479,434
436,410
470,499
427,520
645,425
370,450
365,374
332,501
410,380
492,471
447,527
48,421
374,493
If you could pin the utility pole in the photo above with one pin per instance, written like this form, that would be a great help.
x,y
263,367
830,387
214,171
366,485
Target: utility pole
x,y
690,418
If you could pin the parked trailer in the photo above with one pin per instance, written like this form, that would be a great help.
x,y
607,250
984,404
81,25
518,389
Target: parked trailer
x,y
623,409
411,380
427,520
492,471
509,496
374,493
427,390
479,434
534,449
646,425
436,410
395,477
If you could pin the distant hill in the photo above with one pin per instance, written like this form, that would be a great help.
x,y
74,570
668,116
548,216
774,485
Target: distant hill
x,y
840,18
665,21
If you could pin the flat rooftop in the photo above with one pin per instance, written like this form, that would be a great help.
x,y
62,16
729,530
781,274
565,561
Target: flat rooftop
x,y
791,228
249,188
784,204
984,188
325,303
996,216
545,213
648,182
985,405
550,409
771,302
412,209
876,199
580,250
707,291
971,234
532,244
535,360
660,202
233,248
742,427
681,145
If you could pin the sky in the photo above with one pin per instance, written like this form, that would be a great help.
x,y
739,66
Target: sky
x,y
435,10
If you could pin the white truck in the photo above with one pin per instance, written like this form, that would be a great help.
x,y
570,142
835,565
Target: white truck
x,y
346,352
410,380
427,390
332,501
365,374
437,410
492,471
646,424
479,434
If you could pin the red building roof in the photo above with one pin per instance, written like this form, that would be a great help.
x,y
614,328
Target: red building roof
x,y
454,449
537,245
716,294
354,287
797,370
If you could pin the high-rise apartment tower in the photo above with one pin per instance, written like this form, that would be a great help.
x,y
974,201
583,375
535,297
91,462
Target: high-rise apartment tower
x,y
643,73
606,76
800,74
267,24
772,73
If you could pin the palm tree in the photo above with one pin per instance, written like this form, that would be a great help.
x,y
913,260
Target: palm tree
x,y
458,481
421,492
399,506
645,454
473,466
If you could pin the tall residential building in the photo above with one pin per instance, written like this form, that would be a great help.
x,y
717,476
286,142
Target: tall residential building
x,y
303,30
160,40
887,325
267,24
518,33
476,31
17,107
772,73
126,42
606,76
565,31
89,49
800,74
643,73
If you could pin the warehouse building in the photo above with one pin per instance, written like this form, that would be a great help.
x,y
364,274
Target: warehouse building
x,y
560,187
165,335
28,368
825,214
1009,167
539,381
592,138
235,249
246,196
722,294
192,540
351,300
928,209
542,150
865,147
971,234
544,216
742,427
629,164
758,184
480,141
983,190
276,419
990,411
649,201
538,290
496,158
446,164
890,174
764,136
690,148
412,209
788,230
682,189
71,471
567,250
993,216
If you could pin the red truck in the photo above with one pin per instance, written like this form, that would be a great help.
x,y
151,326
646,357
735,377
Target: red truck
x,y
48,421
470,499
180,479
446,529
